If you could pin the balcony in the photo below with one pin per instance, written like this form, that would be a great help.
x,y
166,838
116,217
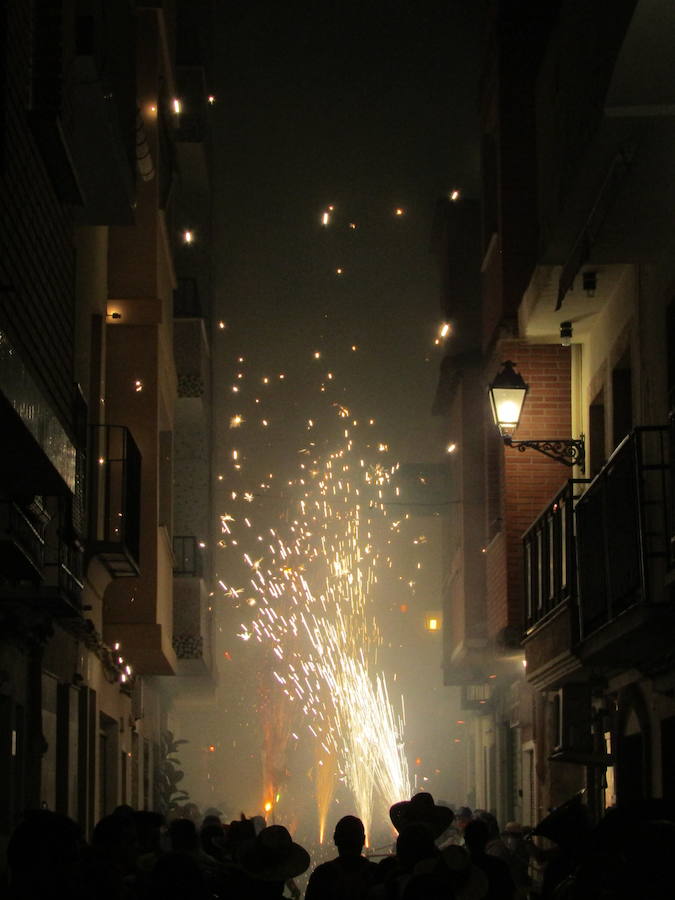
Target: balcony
x,y
21,544
115,500
550,591
191,613
40,556
623,548
63,572
550,556
188,556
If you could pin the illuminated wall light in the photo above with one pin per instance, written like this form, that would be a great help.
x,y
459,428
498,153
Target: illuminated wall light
x,y
398,211
455,195
188,237
101,461
339,271
432,622
445,329
451,448
177,106
211,99
325,218
138,385
221,325
202,545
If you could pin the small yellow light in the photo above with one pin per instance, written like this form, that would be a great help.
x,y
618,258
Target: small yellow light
x,y
188,237
153,108
455,195
221,325
268,807
451,448
138,385
317,355
338,271
101,461
177,106
445,329
211,99
325,218
352,225
399,211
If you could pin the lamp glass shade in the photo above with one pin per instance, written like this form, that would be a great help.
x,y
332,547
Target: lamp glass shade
x,y
507,395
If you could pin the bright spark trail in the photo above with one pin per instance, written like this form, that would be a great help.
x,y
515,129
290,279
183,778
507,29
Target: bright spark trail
x,y
312,542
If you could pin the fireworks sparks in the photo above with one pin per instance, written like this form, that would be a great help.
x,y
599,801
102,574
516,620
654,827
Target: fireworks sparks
x,y
305,593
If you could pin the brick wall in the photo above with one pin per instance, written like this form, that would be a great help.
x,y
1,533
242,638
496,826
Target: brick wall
x,y
530,479
36,239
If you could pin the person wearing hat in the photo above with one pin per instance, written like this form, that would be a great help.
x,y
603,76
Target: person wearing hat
x,y
422,808
350,875
270,860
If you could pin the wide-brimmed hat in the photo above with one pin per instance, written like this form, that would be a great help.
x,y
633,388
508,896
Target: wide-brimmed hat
x,y
421,809
274,856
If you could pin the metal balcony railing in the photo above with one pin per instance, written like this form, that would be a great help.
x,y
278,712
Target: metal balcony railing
x,y
187,556
623,530
550,556
115,495
21,544
186,300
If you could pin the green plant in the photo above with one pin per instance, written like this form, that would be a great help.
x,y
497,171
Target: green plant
x,y
168,775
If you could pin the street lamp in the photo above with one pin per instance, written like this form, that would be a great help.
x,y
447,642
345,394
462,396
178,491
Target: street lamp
x,y
507,395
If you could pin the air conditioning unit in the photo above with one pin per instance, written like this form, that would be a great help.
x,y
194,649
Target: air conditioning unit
x,y
573,719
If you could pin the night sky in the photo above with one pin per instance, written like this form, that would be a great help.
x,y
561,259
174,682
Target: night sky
x,y
369,108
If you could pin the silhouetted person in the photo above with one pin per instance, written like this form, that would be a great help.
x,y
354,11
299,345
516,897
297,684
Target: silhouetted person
x,y
414,847
110,868
44,857
269,861
349,875
178,876
500,883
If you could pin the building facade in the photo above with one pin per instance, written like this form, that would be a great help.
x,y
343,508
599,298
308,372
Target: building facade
x,y
560,603
94,188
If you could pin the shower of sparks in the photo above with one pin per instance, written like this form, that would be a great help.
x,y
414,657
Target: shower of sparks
x,y
325,779
306,594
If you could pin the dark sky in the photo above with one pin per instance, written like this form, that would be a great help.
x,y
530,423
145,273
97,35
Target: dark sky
x,y
368,107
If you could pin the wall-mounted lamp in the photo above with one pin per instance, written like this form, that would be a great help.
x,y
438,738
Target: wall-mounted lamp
x,y
507,395
433,621
115,315
565,334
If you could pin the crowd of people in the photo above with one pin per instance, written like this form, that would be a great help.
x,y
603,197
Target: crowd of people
x,y
438,853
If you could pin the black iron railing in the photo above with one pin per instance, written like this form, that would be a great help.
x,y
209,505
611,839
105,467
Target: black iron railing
x,y
623,530
187,556
115,493
21,544
550,555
